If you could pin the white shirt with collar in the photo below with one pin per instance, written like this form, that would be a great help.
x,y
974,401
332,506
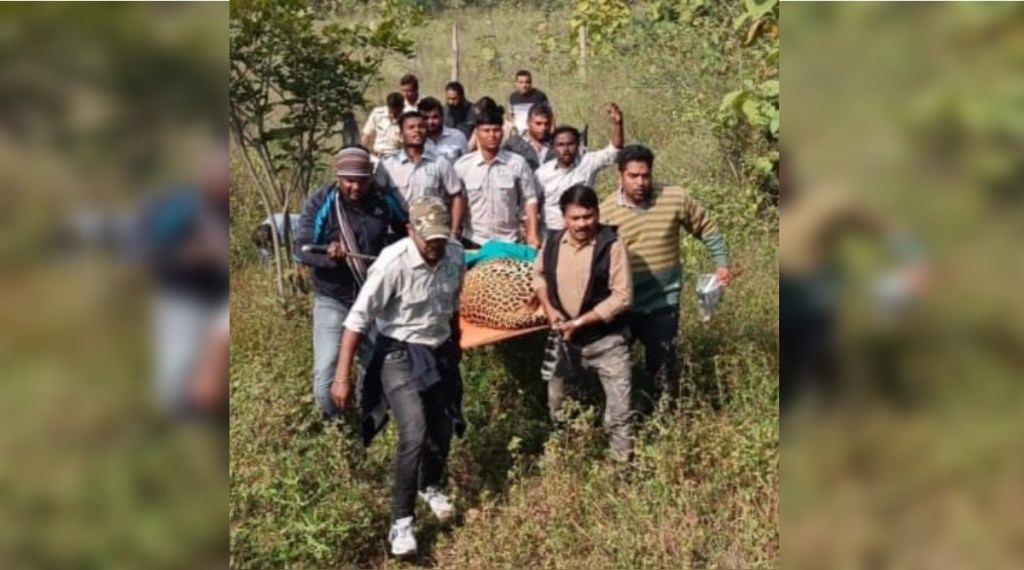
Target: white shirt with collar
x,y
407,299
452,144
555,180
407,106
386,139
433,175
497,193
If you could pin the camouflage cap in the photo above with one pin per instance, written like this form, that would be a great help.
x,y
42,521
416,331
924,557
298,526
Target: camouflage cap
x,y
429,216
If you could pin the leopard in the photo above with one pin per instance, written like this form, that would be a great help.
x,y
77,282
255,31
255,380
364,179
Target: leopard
x,y
499,294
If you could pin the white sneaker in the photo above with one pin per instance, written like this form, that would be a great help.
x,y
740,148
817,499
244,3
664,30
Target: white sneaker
x,y
439,503
403,542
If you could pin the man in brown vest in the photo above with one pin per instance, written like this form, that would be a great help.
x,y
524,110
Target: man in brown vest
x,y
582,279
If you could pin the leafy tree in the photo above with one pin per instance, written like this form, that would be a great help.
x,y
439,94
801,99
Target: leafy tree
x,y
720,62
294,82
604,20
749,115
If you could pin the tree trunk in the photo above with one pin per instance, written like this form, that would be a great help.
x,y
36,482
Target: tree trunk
x,y
583,54
265,198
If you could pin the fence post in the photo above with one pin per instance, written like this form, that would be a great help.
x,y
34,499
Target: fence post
x,y
350,130
455,51
583,53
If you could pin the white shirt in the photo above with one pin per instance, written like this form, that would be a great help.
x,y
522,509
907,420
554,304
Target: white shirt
x,y
452,144
431,176
520,106
386,139
414,106
496,193
406,298
555,180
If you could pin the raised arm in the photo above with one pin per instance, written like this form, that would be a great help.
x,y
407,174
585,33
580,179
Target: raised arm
x,y
618,130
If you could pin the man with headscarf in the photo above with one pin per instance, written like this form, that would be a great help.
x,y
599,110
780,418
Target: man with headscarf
x,y
351,218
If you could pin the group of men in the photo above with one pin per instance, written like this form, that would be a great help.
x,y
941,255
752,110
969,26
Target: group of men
x,y
456,116
386,244
448,131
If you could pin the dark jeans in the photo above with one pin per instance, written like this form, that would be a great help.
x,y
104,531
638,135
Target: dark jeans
x,y
658,332
424,433
805,356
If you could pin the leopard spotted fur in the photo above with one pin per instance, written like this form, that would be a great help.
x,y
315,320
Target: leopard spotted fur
x,y
499,294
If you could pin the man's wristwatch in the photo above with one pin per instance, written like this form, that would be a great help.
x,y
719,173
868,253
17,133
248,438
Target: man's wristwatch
x,y
342,380
577,323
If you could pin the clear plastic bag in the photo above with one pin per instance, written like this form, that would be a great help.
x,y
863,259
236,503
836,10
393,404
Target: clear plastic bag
x,y
892,292
709,294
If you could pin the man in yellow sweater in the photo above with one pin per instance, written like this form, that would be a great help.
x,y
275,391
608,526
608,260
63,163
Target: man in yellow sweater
x,y
649,218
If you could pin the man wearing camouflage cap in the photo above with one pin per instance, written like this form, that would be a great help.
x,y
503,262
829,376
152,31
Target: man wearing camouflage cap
x,y
412,296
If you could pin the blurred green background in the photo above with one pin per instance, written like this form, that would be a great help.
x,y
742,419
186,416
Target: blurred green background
x,y
101,105
915,110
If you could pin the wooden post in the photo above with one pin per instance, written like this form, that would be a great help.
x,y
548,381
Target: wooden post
x,y
455,51
583,53
350,130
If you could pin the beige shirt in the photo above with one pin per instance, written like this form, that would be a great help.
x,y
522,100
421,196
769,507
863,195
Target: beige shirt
x,y
573,276
406,298
555,180
431,176
496,193
385,132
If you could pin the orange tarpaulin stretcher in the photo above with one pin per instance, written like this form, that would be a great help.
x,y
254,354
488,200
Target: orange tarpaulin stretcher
x,y
476,335
473,335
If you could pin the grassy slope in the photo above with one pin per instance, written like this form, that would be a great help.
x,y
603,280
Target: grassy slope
x,y
704,490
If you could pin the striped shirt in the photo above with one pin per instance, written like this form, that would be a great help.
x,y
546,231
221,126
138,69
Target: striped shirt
x,y
497,192
652,236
